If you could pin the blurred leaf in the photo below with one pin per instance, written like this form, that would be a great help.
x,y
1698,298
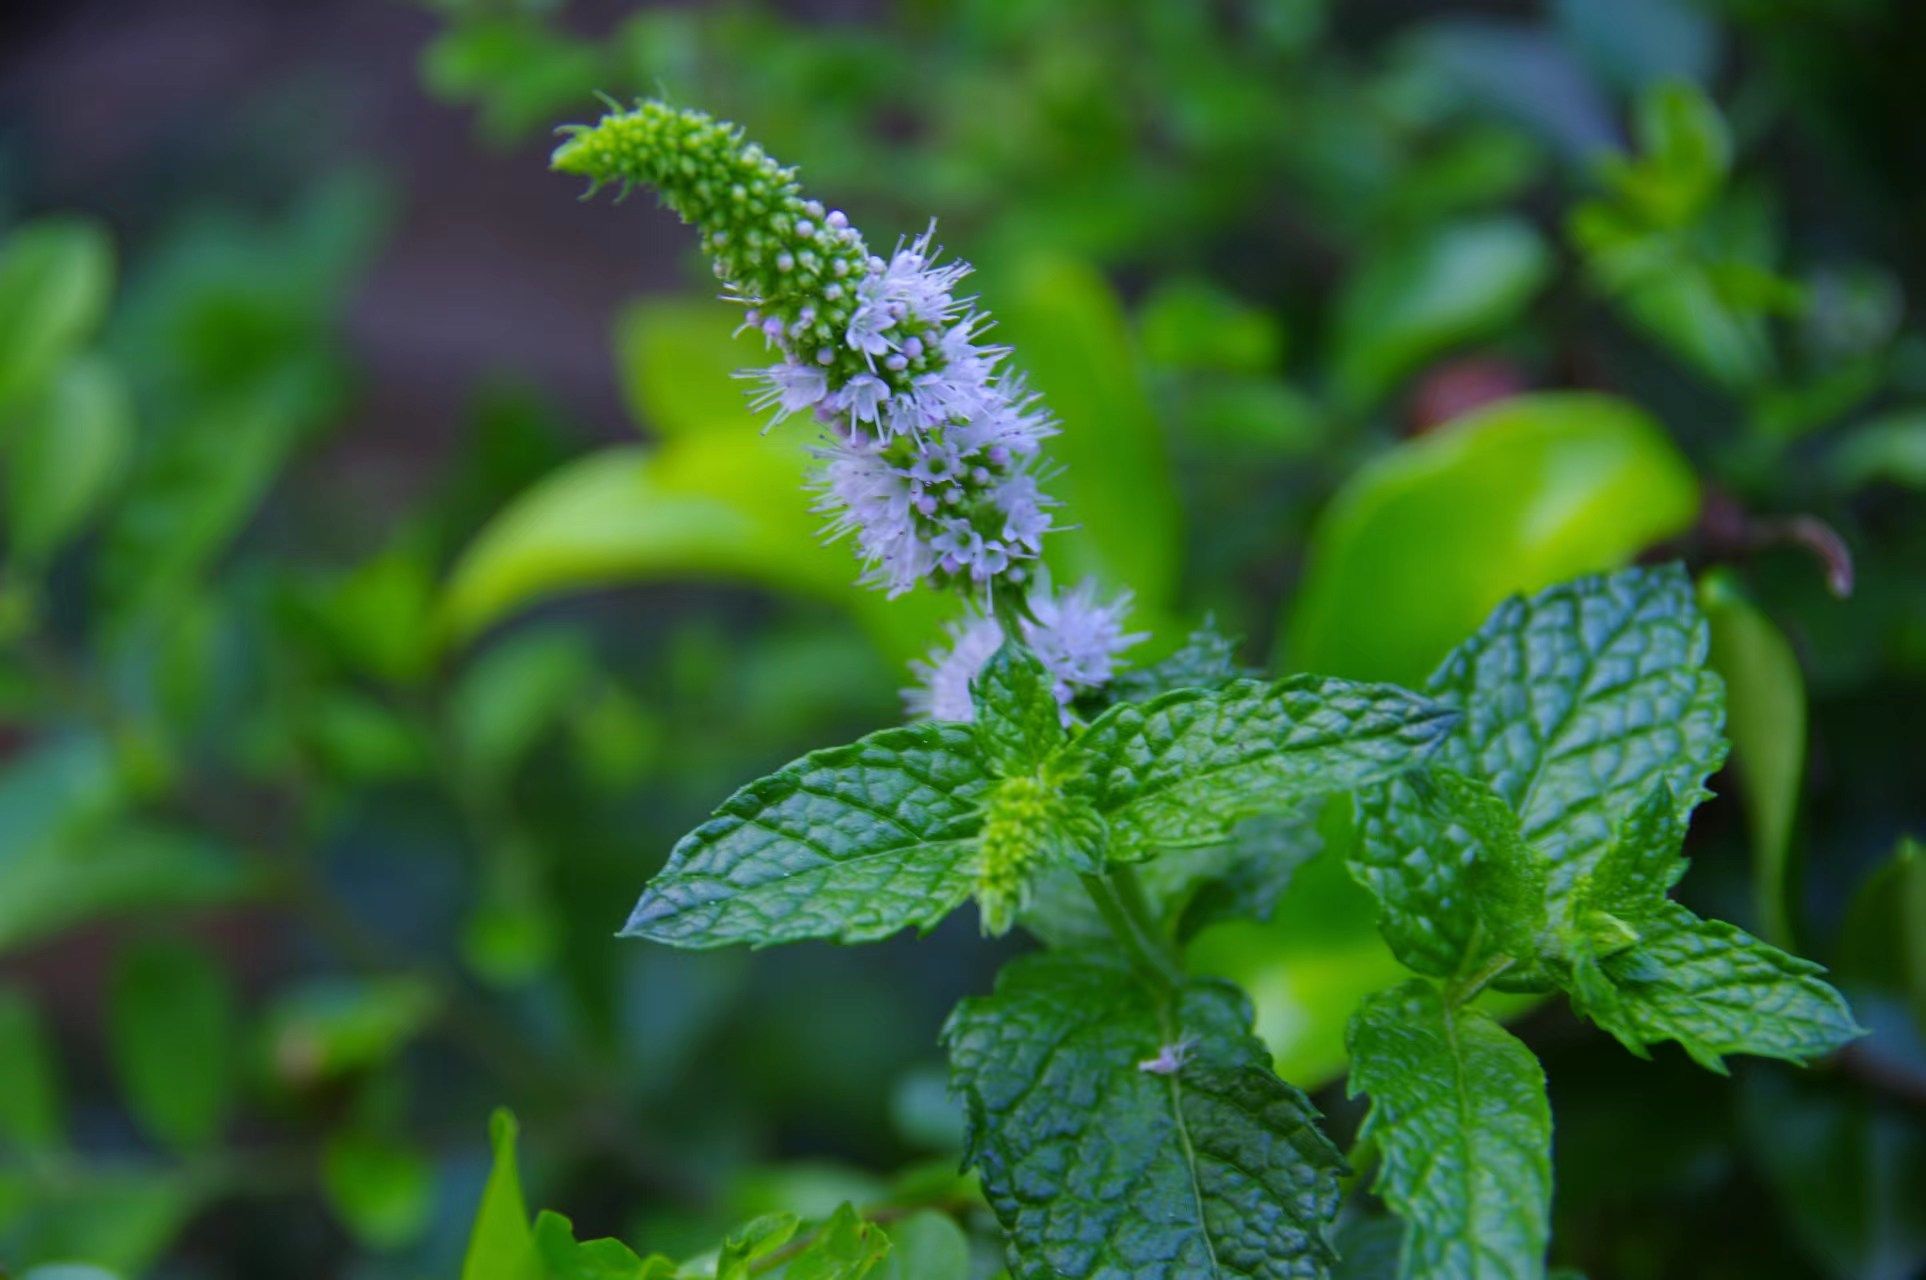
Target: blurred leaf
x,y
843,1248
382,1189
1632,43
30,1104
926,1246
1765,710
501,1246
1226,415
191,495
333,1027
1455,284
56,280
1685,153
1189,323
1116,485
513,693
752,1241
811,1189
1890,449
677,360
120,1219
120,869
1849,1172
379,613
171,1024
1422,543
563,1258
1883,944
728,505
67,453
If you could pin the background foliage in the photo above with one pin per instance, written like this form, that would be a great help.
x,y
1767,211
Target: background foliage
x,y
360,663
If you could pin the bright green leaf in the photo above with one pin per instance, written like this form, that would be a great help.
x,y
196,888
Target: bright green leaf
x,y
1765,701
1133,1133
1422,544
1073,343
843,1248
172,1030
382,1189
1457,283
56,280
754,1240
68,450
500,1245
1463,1131
678,361
563,1258
853,843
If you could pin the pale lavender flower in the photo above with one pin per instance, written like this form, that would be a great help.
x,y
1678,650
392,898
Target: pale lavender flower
x,y
1076,638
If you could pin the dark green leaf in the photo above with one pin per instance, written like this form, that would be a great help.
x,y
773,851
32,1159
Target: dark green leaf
x,y
1133,1133
172,1025
1208,657
1577,702
30,1106
1019,723
1463,1130
1884,942
1506,876
1716,990
852,843
1183,768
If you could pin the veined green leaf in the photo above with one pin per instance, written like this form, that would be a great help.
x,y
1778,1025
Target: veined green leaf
x,y
1576,703
1134,1133
1183,768
853,843
1463,1130
1715,990
1019,723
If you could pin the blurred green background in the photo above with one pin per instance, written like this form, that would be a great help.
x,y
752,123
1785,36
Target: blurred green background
x,y
392,571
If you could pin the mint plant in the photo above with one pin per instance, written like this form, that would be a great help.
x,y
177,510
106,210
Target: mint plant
x,y
1520,819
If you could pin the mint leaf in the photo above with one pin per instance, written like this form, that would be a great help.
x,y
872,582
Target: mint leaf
x,y
1185,767
1134,1133
752,1241
852,843
1632,878
1463,1129
1208,657
1019,723
1576,703
1715,989
1506,876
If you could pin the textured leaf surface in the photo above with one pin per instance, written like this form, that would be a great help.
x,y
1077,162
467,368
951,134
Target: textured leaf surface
x,y
1183,768
1463,1127
853,843
1208,657
1576,703
1018,721
1716,990
1097,1165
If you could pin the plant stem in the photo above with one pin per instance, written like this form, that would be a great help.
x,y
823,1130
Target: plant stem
x,y
1463,990
1120,900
